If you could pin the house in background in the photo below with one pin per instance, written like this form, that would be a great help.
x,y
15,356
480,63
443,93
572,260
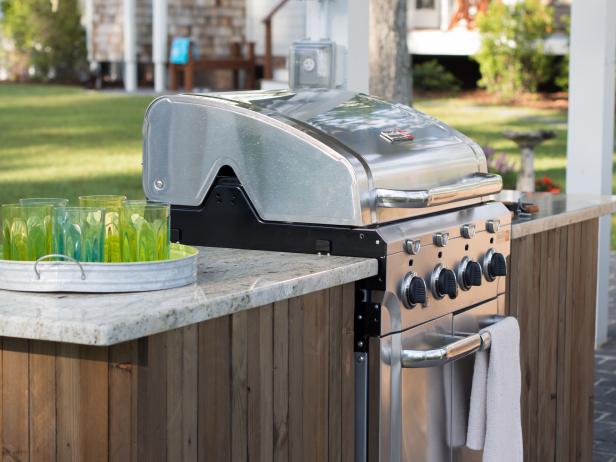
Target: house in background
x,y
213,26
441,29
446,28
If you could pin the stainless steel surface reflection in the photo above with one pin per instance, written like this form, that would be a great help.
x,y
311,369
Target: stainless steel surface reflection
x,y
312,156
424,400
423,411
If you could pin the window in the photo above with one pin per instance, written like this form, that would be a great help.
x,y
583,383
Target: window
x,y
424,4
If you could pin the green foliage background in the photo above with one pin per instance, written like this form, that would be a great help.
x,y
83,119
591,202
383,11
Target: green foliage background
x,y
432,76
48,37
511,57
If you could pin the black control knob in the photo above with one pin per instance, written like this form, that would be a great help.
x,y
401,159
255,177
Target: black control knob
x,y
414,290
447,284
498,265
494,265
417,291
472,274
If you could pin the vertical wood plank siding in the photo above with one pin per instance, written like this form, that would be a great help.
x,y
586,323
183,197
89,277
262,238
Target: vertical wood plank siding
x,y
552,288
266,384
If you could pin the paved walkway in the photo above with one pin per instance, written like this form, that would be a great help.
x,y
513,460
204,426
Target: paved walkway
x,y
604,432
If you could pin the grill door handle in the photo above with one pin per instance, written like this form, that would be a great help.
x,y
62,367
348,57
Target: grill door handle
x,y
476,185
456,347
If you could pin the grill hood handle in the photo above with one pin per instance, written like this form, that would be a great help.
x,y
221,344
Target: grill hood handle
x,y
476,185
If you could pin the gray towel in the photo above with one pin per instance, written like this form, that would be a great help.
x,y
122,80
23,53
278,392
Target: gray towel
x,y
494,421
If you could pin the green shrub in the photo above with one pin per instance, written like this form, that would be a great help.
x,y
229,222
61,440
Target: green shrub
x,y
511,56
562,71
432,76
48,35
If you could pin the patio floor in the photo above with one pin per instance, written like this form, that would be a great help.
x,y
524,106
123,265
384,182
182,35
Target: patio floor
x,y
604,432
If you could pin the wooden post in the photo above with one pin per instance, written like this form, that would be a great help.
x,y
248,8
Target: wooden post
x,y
173,77
268,72
236,53
189,70
249,82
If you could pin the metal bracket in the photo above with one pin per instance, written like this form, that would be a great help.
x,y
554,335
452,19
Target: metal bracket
x,y
367,321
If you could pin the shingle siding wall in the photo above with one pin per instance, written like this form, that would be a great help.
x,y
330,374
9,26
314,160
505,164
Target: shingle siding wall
x,y
214,24
107,31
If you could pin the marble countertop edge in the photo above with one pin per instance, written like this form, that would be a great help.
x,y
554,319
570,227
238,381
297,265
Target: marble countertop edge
x,y
139,325
596,206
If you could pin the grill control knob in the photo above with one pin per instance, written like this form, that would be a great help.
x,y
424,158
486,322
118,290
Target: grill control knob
x,y
413,290
412,247
494,265
469,273
492,226
440,239
444,282
468,231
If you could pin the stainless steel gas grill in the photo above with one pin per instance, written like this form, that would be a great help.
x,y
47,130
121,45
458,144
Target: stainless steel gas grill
x,y
334,172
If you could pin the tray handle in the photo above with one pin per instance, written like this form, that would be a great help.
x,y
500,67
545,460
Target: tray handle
x,y
57,255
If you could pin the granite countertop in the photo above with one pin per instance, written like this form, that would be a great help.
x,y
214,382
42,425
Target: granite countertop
x,y
229,281
556,210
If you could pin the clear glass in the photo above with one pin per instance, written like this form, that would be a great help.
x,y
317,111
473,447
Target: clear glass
x,y
26,231
144,231
80,233
112,205
55,201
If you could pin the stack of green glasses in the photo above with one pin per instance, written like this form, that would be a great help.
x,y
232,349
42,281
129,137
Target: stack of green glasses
x,y
106,229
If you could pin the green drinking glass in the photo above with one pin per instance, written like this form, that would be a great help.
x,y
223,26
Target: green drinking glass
x,y
53,201
26,231
80,233
144,231
112,205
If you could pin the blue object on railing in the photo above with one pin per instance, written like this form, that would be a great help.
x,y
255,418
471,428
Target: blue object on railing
x,y
180,48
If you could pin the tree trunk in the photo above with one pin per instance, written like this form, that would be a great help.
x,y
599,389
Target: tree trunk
x,y
390,76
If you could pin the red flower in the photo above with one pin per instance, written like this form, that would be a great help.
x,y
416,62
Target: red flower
x,y
547,185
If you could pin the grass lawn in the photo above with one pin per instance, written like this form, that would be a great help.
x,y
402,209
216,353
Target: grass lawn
x,y
64,141
60,141
486,123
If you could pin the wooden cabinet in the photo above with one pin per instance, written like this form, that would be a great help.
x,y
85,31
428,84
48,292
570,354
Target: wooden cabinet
x,y
552,291
274,383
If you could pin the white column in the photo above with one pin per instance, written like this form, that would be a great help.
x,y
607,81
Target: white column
x,y
590,139
87,23
130,46
316,19
346,22
445,14
159,44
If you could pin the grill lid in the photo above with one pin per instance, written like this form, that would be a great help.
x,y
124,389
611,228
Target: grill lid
x,y
327,156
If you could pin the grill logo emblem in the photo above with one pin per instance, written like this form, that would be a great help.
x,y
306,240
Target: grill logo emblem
x,y
396,135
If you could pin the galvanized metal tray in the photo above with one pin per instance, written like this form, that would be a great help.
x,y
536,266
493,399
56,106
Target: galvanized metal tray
x,y
73,276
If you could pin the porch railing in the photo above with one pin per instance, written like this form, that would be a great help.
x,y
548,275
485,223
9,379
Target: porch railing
x,y
268,59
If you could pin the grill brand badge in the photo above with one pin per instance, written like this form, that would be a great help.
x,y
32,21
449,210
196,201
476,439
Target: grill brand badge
x,y
396,135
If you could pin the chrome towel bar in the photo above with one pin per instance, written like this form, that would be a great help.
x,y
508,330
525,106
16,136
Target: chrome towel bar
x,y
455,347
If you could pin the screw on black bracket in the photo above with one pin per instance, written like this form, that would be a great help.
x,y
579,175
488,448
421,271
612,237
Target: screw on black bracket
x,y
367,322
